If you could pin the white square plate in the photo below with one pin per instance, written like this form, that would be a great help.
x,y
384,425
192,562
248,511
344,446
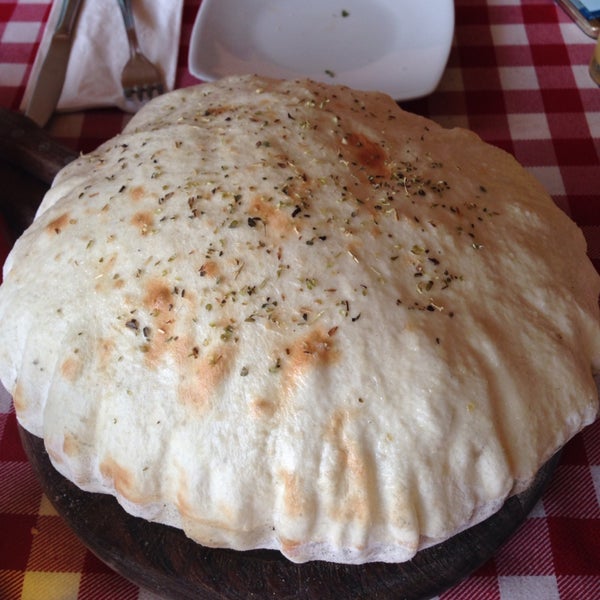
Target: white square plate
x,y
395,46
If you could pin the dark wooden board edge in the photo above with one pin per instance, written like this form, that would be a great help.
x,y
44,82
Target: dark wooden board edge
x,y
163,560
20,196
30,148
29,160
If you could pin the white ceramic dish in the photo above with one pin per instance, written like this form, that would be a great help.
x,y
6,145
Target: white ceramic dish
x,y
395,46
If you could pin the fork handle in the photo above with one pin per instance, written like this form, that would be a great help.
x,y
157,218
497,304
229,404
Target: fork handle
x,y
128,20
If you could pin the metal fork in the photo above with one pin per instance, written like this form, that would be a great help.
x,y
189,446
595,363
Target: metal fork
x,y
140,77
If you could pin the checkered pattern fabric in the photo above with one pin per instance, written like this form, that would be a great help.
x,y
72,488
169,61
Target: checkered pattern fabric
x,y
518,76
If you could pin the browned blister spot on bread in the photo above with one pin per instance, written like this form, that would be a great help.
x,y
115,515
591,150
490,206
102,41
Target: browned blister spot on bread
x,y
276,221
158,297
71,368
263,408
367,153
353,480
137,193
122,479
58,224
209,269
315,349
105,348
143,221
294,499
187,507
19,399
158,301
70,445
203,377
289,546
215,110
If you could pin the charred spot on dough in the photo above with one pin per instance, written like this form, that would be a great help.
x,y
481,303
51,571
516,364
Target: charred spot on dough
x,y
57,225
195,521
185,506
354,476
104,351
214,111
70,445
274,219
294,501
202,381
209,269
336,436
159,341
335,427
315,349
158,297
143,221
19,399
263,408
158,301
71,368
121,478
289,546
317,346
137,193
367,153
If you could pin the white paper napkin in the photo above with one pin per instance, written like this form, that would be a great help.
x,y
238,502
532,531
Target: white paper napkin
x,y
100,50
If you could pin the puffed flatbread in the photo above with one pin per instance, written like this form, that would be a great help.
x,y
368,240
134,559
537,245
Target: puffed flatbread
x,y
282,314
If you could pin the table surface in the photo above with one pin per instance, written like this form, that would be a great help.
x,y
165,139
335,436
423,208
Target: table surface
x,y
518,76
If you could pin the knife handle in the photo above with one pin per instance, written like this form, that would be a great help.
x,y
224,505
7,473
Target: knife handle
x,y
25,145
67,17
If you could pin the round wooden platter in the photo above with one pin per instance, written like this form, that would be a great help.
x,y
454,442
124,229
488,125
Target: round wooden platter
x,y
163,560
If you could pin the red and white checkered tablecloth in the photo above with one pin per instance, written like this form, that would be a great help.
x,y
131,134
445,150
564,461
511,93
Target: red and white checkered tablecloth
x,y
518,76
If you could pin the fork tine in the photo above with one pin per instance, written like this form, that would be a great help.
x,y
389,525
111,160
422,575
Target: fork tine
x,y
141,92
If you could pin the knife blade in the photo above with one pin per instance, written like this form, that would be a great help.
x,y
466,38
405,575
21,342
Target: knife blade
x,y
48,86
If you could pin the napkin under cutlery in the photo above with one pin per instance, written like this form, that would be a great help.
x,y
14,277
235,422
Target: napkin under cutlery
x,y
100,50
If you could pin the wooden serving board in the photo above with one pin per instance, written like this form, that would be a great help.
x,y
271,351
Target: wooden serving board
x,y
161,558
